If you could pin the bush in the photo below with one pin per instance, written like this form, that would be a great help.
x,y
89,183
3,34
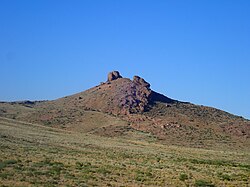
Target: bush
x,y
225,177
6,163
203,183
183,177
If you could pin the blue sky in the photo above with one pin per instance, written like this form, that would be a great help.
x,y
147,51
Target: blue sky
x,y
190,50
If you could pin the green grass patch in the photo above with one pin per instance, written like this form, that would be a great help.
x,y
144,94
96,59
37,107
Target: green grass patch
x,y
215,163
183,176
225,177
6,163
203,183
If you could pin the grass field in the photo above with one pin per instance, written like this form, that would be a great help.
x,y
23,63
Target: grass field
x,y
34,155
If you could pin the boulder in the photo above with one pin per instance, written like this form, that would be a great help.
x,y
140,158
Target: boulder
x,y
113,76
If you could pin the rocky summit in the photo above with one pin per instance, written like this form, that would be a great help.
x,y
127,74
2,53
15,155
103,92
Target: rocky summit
x,y
122,95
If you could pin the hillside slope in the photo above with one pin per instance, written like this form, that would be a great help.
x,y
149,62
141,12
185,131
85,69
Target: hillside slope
x,y
121,105
37,155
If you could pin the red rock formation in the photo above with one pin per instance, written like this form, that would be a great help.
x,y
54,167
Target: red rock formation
x,y
113,76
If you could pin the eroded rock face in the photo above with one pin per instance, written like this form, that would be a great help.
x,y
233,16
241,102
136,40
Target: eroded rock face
x,y
141,81
136,97
113,76
119,95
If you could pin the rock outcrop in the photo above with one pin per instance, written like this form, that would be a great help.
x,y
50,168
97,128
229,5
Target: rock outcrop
x,y
113,76
132,96
120,96
142,92
141,81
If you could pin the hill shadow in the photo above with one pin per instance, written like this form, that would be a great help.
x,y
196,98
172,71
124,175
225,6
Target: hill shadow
x,y
157,97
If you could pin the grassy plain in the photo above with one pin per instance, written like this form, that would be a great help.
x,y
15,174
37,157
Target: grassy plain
x,y
35,155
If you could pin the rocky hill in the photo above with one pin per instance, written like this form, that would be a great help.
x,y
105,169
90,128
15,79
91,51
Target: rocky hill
x,y
120,107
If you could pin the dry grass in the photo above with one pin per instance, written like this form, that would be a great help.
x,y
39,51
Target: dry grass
x,y
34,155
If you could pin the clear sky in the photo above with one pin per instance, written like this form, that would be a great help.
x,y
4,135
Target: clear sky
x,y
190,50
